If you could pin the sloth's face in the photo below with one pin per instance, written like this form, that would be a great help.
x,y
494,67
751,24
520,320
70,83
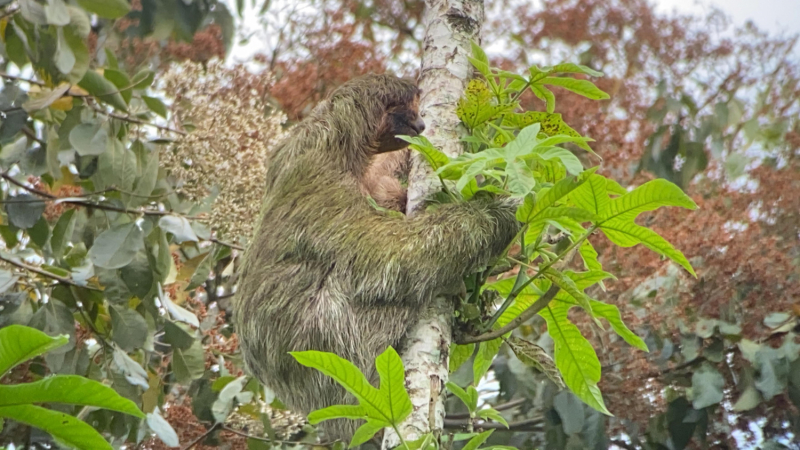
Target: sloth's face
x,y
400,120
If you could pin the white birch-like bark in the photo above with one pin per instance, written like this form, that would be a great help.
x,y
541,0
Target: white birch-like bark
x,y
450,25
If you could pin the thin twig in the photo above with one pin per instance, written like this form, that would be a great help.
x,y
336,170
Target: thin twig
x,y
275,441
502,407
479,424
90,204
46,274
532,310
26,80
202,436
134,120
226,244
32,134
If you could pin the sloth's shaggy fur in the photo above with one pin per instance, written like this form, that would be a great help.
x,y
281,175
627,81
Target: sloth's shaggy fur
x,y
326,271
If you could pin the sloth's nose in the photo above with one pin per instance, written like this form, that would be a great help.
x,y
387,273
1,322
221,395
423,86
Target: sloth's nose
x,y
418,125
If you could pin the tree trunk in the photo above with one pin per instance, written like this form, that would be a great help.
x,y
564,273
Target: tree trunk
x,y
450,25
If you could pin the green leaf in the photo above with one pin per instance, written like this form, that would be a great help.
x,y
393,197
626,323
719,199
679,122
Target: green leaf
x,y
526,140
138,275
479,59
111,59
202,271
647,197
546,96
462,394
117,246
62,232
614,318
492,414
129,328
523,301
568,286
133,372
337,412
574,356
476,441
707,387
582,87
24,210
530,209
393,384
435,158
7,281
64,58
74,37
520,177
162,429
121,81
147,182
177,312
476,107
575,68
366,432
155,105
536,226
107,9
459,354
566,157
19,343
143,79
116,167
69,389
592,195
483,359
628,234
180,228
104,90
66,430
178,335
188,364
89,138
350,377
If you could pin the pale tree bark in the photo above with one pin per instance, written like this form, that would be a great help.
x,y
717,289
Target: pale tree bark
x,y
450,25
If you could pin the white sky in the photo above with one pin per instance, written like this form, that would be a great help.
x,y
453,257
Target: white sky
x,y
773,15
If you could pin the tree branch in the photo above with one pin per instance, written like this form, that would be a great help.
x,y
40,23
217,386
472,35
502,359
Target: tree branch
x,y
26,80
130,119
275,441
202,436
532,310
479,424
90,204
502,407
450,25
46,274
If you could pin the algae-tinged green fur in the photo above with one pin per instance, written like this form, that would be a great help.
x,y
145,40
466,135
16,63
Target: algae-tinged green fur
x,y
327,271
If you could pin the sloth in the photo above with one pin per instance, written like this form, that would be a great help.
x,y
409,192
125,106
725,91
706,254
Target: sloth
x,y
326,270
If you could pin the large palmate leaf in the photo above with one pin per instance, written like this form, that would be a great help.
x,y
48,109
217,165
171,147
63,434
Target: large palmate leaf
x,y
574,356
348,376
393,384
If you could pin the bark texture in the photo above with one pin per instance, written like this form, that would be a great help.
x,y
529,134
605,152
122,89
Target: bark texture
x,y
450,25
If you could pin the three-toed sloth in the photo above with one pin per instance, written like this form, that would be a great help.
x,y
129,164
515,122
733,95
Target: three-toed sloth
x,y
326,270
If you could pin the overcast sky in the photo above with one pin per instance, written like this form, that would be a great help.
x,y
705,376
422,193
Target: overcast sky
x,y
779,15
